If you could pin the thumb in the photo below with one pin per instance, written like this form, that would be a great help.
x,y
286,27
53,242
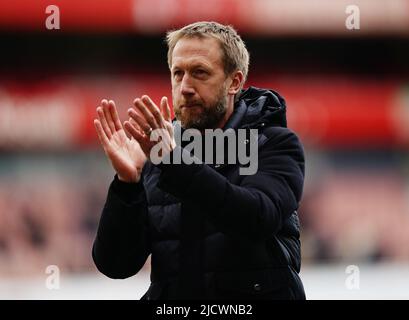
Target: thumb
x,y
164,105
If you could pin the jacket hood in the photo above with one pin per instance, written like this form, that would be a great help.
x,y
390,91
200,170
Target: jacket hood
x,y
257,106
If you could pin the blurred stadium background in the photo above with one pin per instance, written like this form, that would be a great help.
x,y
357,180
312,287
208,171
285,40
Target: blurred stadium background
x,y
347,93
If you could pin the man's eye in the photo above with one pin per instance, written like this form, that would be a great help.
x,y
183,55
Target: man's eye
x,y
200,73
177,74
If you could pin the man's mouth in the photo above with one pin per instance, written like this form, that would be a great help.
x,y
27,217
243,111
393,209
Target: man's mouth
x,y
190,106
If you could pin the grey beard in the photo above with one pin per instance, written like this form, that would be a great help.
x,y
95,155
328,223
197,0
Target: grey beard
x,y
209,119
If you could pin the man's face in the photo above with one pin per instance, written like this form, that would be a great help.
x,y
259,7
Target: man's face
x,y
199,86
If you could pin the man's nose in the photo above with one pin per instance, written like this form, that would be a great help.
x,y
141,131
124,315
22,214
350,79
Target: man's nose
x,y
187,87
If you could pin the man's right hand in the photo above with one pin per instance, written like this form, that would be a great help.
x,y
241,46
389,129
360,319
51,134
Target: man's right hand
x,y
125,154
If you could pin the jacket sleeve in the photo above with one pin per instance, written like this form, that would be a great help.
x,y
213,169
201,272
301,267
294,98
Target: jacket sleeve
x,y
121,246
257,207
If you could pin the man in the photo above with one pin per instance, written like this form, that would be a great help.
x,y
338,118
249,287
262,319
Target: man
x,y
212,232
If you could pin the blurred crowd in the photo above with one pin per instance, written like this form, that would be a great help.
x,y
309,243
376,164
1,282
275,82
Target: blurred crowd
x,y
48,220
355,216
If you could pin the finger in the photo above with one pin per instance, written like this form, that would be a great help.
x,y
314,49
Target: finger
x,y
140,120
147,114
103,122
114,115
139,129
137,126
101,134
154,110
138,112
133,131
105,107
136,134
165,109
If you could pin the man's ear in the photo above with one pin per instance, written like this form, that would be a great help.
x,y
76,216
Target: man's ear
x,y
237,80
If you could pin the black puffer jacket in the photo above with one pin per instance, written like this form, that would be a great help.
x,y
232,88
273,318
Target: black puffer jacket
x,y
212,232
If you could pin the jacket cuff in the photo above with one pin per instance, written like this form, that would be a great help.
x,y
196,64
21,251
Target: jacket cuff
x,y
127,192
